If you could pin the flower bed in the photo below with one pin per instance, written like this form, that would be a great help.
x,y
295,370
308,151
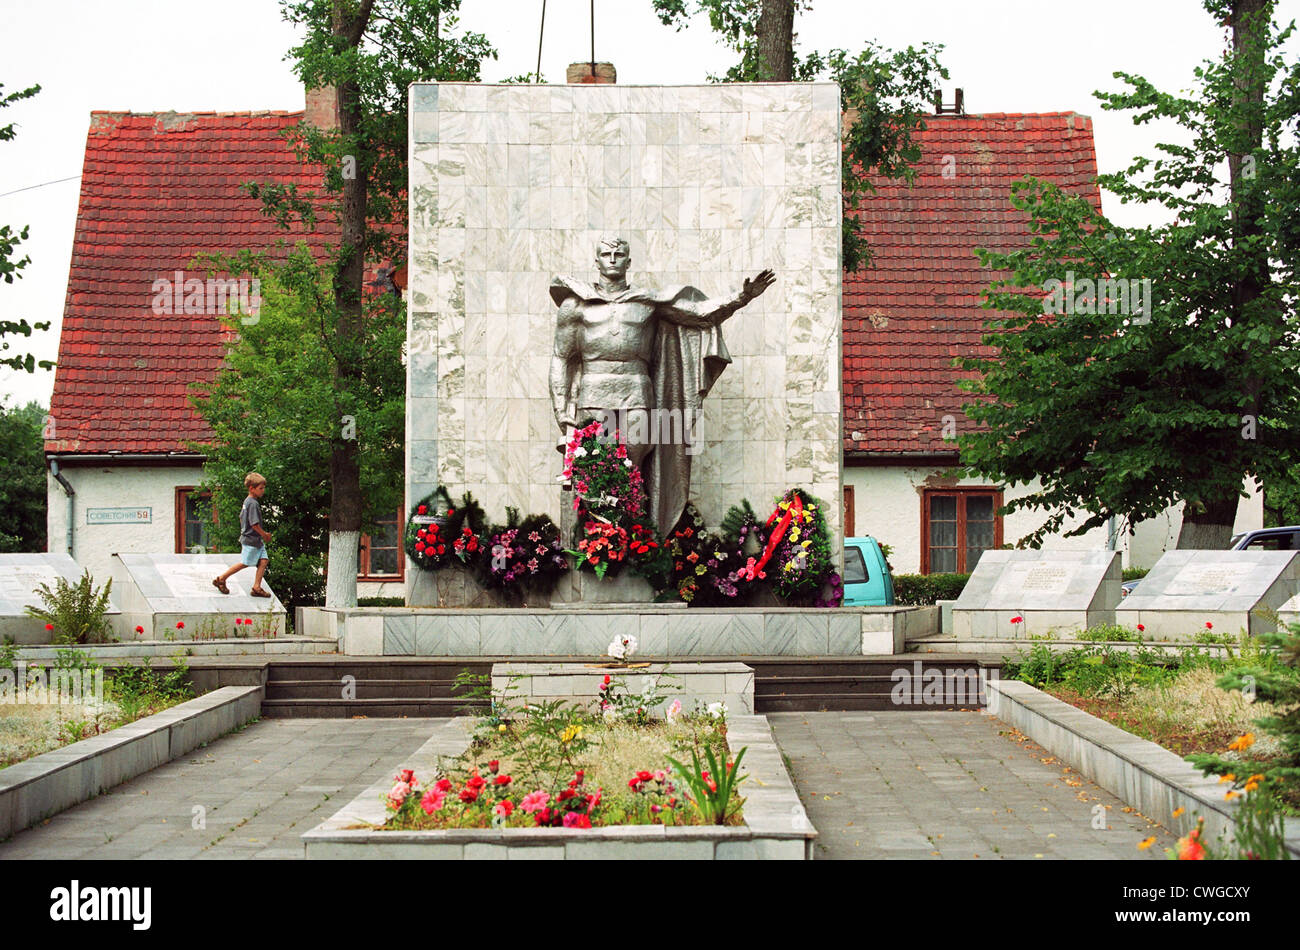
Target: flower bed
x,y
559,763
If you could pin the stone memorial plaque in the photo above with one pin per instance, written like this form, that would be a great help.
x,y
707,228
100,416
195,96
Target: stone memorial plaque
x,y
160,590
1049,591
1233,591
514,188
20,575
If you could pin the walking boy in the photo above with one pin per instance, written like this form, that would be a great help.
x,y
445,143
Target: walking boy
x,y
251,535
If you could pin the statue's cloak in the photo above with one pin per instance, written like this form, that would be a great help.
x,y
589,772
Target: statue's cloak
x,y
689,355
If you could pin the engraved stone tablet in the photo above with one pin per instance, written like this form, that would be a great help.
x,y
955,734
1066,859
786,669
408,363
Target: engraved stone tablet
x,y
1233,591
1050,591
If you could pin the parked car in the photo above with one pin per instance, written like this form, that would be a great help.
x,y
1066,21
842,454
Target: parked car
x,y
867,580
1286,538
1267,539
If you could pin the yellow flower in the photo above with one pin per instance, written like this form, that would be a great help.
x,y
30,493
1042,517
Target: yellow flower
x,y
1146,843
1251,786
1230,794
501,728
1257,777
804,544
1242,743
1178,811
570,733
1227,778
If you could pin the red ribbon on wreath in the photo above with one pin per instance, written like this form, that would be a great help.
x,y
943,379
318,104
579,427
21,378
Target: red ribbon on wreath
x,y
796,508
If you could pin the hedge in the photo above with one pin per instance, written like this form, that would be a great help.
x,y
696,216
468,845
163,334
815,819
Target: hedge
x,y
924,589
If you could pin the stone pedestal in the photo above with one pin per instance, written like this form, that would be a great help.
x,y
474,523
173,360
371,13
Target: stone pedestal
x,y
1234,591
1053,592
583,587
158,591
20,575
703,683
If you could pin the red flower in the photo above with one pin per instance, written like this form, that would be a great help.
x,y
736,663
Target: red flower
x,y
633,783
443,785
468,794
503,779
494,766
643,776
423,509
565,795
1140,627
49,626
475,782
139,629
577,777
1208,625
180,624
407,776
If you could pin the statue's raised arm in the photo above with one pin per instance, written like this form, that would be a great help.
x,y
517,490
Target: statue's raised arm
x,y
690,308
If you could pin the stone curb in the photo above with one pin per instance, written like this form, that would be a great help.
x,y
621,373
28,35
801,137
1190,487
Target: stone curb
x,y
46,784
1148,777
776,825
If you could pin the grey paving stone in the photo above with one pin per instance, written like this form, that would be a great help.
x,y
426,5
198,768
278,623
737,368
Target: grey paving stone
x,y
904,785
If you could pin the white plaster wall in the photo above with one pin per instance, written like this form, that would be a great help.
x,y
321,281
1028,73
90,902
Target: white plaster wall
x,y
887,506
116,487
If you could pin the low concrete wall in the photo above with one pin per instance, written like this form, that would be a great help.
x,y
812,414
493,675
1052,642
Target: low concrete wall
x,y
776,825
702,683
661,631
36,788
1149,778
110,653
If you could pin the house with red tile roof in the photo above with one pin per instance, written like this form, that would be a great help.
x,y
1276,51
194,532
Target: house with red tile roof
x,y
159,188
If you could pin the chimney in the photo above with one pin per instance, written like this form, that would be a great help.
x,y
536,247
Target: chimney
x,y
603,73
957,108
322,107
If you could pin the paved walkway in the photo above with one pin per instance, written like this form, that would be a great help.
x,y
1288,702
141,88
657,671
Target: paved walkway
x,y
931,785
256,790
888,785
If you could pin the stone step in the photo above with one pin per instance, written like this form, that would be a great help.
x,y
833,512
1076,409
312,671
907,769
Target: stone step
x,y
418,670
363,689
848,702
380,708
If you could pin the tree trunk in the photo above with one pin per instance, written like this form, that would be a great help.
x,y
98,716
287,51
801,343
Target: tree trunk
x,y
776,41
1209,525
345,467
1209,529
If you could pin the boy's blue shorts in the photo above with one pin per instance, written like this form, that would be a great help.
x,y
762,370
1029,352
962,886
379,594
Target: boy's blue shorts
x,y
249,555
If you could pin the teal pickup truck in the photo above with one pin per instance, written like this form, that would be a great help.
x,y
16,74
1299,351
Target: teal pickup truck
x,y
867,581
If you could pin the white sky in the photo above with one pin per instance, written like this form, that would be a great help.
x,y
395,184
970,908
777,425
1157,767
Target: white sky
x,y
190,56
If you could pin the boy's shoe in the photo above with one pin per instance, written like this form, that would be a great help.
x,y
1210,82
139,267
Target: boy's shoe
x,y
256,592
220,585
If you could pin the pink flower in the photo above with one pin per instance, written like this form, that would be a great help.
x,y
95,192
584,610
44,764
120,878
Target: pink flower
x,y
534,801
432,800
398,795
575,819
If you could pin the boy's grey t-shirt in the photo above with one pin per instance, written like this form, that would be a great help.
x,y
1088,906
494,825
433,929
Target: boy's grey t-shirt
x,y
250,515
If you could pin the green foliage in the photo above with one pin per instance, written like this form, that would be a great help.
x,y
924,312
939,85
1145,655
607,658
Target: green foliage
x,y
78,612
923,589
11,266
1276,682
711,789
1135,573
22,479
381,601
885,93
1101,411
1092,671
136,689
273,410
1110,633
